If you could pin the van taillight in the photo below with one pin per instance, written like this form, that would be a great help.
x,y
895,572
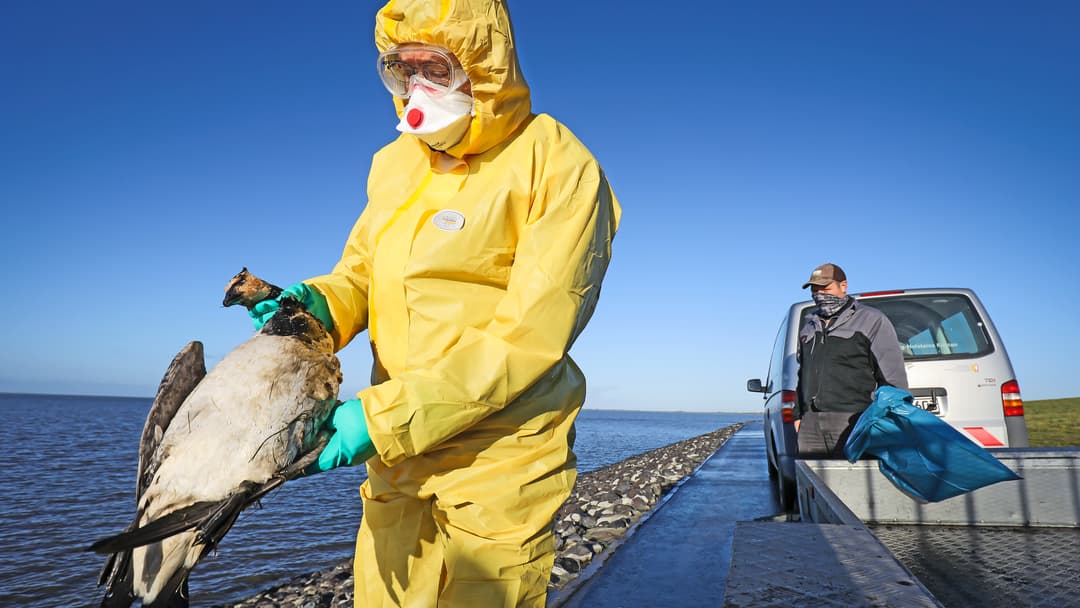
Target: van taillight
x,y
787,398
1011,400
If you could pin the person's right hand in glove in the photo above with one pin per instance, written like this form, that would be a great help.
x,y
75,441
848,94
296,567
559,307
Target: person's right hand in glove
x,y
350,444
312,300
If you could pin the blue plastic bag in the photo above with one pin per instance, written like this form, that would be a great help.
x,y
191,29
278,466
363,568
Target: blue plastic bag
x,y
920,453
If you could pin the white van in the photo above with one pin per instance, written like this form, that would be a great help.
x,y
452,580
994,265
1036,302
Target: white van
x,y
956,365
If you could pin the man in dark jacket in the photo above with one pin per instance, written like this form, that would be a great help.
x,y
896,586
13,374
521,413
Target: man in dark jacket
x,y
846,351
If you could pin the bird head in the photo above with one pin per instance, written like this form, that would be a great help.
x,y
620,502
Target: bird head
x,y
248,289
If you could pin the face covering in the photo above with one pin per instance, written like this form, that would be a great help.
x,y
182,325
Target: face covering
x,y
439,120
828,304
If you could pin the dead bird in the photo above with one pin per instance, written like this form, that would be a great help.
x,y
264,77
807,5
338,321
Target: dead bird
x,y
215,443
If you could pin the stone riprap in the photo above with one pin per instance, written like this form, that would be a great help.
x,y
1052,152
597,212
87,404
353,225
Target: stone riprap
x,y
603,505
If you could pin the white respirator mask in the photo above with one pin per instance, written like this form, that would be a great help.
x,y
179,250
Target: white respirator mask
x,y
438,118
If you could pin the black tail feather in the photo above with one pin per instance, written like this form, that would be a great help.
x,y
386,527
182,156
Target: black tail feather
x,y
114,565
117,578
213,528
159,529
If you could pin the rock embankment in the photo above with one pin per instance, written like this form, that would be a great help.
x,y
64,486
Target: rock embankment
x,y
603,505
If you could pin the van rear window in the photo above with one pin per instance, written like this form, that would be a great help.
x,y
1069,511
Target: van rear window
x,y
935,326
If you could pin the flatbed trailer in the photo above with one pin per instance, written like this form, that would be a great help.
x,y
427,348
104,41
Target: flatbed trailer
x,y
722,539
1010,544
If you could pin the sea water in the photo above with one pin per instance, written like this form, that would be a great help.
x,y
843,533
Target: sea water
x,y
70,480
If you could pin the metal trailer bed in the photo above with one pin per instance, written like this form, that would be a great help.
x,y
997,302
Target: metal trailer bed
x,y
1011,544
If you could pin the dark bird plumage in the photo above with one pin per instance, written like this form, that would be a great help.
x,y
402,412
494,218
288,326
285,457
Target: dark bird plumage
x,y
215,443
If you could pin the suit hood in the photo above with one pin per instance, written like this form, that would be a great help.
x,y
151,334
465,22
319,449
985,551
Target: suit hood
x,y
479,34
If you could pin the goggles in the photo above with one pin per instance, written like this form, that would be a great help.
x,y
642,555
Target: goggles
x,y
433,64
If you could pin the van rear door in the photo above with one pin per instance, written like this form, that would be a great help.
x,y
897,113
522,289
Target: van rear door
x,y
956,365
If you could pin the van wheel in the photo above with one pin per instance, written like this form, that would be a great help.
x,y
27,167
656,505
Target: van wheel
x,y
770,457
785,489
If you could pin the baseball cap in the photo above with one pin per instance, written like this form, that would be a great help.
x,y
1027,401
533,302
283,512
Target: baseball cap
x,y
825,274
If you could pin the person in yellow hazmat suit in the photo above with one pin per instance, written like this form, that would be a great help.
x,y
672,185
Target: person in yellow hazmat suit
x,y
474,266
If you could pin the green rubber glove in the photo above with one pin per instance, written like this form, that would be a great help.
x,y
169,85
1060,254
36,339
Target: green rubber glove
x,y
350,444
313,301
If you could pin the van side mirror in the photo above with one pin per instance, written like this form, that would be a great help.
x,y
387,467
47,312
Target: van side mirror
x,y
754,386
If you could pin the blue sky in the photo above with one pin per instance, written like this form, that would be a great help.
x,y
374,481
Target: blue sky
x,y
152,150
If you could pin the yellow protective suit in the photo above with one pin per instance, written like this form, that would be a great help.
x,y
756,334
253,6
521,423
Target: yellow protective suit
x,y
473,272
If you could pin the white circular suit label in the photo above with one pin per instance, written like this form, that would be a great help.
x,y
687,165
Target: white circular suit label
x,y
449,220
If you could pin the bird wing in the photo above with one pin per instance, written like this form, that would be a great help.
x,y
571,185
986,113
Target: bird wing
x,y
187,369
